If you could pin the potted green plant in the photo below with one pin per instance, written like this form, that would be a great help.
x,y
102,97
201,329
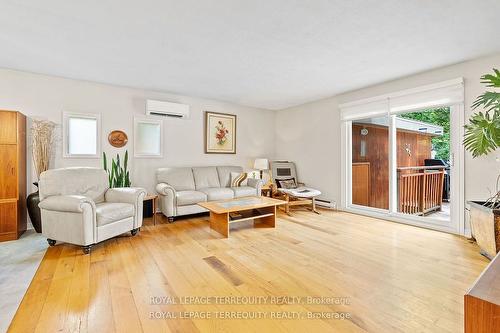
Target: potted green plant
x,y
118,176
482,136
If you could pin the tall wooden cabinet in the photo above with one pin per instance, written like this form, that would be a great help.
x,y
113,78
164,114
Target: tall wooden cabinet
x,y
12,175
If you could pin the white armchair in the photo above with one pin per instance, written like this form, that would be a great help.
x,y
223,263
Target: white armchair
x,y
78,207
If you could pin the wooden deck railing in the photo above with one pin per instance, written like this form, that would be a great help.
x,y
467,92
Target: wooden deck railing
x,y
420,189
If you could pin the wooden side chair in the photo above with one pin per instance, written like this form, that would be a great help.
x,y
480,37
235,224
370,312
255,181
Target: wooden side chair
x,y
287,187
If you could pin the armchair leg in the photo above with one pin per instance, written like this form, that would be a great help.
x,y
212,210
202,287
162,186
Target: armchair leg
x,y
134,231
314,206
287,205
170,219
86,249
51,242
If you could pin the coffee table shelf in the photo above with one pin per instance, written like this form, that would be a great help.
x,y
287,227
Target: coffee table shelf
x,y
249,215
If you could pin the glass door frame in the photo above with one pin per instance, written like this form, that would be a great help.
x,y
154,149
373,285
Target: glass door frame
x,y
456,224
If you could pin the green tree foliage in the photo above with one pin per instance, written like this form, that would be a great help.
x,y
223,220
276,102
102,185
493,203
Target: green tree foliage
x,y
440,117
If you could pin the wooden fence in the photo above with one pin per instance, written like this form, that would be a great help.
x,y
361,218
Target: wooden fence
x,y
420,189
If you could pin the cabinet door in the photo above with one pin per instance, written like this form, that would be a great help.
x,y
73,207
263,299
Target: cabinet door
x,y
8,127
8,218
8,171
361,184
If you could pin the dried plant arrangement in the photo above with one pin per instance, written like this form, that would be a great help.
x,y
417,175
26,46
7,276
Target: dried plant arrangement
x,y
41,139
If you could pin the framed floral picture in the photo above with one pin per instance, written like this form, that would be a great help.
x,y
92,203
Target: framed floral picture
x,y
220,133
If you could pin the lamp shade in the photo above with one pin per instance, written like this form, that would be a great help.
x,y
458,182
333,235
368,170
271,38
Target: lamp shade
x,y
261,164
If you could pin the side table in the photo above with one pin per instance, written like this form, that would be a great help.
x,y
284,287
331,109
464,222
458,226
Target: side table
x,y
152,197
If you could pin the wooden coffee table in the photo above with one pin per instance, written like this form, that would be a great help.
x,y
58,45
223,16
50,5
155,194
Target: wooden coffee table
x,y
225,212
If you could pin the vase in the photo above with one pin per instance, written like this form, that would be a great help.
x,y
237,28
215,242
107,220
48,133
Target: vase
x,y
485,225
33,210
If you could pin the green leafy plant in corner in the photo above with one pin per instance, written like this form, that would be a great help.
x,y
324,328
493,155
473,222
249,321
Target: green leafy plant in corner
x,y
482,134
118,176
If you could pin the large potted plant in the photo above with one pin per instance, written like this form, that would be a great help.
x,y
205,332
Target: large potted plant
x,y
482,136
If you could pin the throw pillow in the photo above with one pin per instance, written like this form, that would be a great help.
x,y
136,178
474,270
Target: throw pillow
x,y
238,179
286,183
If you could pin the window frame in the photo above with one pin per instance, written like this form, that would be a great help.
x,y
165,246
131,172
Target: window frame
x,y
66,117
159,122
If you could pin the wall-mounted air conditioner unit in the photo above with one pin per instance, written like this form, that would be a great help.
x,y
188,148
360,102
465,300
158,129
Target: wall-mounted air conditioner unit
x,y
167,109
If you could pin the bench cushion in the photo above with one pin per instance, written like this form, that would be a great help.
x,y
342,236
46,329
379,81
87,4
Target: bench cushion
x,y
301,192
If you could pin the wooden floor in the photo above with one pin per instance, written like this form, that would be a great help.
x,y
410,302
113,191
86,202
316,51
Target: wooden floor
x,y
396,278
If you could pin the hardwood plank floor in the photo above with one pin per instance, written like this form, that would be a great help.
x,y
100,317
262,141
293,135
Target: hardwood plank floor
x,y
396,278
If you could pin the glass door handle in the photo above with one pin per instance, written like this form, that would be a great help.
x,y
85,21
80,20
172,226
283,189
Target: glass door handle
x,y
452,159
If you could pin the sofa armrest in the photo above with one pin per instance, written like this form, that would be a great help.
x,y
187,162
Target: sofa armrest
x,y
168,202
165,189
130,195
256,183
125,194
66,203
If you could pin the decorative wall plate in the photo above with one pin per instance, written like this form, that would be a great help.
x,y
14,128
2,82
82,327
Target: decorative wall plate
x,y
117,138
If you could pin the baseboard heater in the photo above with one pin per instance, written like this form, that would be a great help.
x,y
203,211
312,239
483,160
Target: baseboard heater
x,y
325,203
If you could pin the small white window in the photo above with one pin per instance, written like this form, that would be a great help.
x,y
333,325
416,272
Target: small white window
x,y
81,135
148,136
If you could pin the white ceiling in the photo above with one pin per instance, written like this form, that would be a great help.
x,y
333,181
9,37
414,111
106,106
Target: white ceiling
x,y
263,53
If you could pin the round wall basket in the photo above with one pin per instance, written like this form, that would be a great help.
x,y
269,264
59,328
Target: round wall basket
x,y
117,138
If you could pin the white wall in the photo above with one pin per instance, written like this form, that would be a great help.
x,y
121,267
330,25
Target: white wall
x,y
310,134
47,97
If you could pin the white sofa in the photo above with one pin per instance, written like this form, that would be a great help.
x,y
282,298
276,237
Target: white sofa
x,y
180,189
78,207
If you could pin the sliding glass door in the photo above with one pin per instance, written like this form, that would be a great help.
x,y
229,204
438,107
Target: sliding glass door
x,y
400,157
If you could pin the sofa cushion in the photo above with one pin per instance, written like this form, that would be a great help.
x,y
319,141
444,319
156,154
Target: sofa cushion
x,y
244,191
205,177
181,179
109,212
218,193
224,173
185,198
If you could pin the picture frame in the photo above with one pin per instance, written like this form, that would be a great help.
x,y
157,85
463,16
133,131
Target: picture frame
x,y
220,133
